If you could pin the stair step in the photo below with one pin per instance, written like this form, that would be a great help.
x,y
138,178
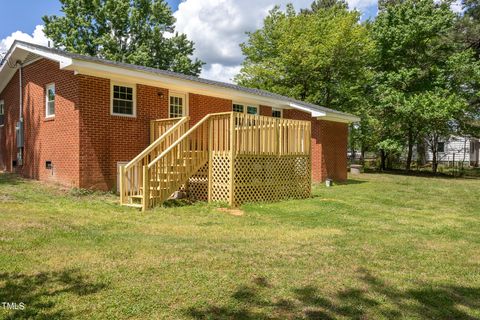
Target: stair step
x,y
133,205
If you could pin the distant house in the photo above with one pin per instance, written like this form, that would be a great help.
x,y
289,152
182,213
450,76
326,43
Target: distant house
x,y
92,123
456,150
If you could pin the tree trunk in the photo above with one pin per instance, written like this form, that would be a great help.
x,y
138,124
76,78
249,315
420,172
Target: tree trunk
x,y
434,162
433,147
465,151
410,151
411,141
382,160
409,157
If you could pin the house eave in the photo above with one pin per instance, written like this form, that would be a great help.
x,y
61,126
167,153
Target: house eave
x,y
18,53
23,51
119,73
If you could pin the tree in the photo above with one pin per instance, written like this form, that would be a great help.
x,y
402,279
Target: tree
x,y
320,56
414,52
383,4
327,4
131,31
440,111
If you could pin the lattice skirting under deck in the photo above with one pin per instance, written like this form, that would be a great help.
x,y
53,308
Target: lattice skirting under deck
x,y
256,178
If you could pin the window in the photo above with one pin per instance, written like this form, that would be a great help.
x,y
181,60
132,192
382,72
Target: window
x,y
441,147
252,110
177,106
277,113
123,100
2,113
238,107
50,101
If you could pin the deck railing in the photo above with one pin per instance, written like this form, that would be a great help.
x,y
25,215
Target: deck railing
x,y
178,153
159,127
169,170
271,136
132,174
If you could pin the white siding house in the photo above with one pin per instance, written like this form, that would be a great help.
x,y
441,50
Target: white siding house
x,y
458,150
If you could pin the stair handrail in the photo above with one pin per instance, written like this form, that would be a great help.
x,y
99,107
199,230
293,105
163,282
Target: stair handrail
x,y
183,137
152,146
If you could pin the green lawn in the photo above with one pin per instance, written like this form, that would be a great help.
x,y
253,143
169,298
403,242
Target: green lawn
x,y
381,246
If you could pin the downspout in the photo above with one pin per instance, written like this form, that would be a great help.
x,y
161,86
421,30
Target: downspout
x,y
20,116
20,127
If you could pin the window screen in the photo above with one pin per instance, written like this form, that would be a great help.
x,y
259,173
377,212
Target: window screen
x,y
177,107
50,101
122,100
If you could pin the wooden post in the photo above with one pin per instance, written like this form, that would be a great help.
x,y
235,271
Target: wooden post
x,y
232,157
122,184
146,189
210,159
152,131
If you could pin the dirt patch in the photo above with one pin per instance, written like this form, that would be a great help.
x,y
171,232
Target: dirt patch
x,y
234,212
6,198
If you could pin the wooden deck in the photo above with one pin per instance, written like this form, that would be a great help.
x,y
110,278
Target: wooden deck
x,y
230,157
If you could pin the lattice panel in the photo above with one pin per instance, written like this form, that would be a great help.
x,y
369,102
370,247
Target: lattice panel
x,y
220,177
271,178
198,184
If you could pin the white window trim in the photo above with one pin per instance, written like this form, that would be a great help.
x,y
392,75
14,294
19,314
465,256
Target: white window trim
x,y
184,96
48,86
278,109
246,105
134,96
2,102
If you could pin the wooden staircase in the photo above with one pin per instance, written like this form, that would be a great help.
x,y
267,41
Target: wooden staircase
x,y
166,165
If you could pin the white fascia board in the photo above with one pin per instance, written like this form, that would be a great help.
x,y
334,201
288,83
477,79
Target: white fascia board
x,y
19,52
62,60
119,73
328,116
313,112
340,118
127,75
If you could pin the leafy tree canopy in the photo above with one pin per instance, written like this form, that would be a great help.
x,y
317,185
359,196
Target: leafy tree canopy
x,y
423,81
318,56
131,31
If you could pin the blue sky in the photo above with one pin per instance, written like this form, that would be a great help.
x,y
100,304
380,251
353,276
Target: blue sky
x,y
24,15
217,27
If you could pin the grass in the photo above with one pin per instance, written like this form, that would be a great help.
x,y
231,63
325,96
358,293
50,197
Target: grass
x,y
379,247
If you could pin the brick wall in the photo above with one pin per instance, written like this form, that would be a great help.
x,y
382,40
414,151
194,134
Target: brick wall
x,y
329,146
266,111
201,105
85,142
106,139
8,148
54,139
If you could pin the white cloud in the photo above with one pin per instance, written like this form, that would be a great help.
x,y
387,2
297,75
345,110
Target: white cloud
x,y
457,6
218,72
37,37
218,27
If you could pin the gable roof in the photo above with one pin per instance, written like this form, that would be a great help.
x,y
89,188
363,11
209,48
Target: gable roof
x,y
25,52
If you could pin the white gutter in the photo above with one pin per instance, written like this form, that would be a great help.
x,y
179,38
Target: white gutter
x,y
314,113
20,115
125,74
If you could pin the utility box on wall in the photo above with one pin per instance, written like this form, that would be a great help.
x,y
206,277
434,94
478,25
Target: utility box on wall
x,y
19,134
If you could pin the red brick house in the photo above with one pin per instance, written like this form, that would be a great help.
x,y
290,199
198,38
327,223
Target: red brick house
x,y
71,119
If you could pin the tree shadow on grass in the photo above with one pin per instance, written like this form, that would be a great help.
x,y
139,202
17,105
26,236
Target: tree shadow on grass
x,y
350,181
374,298
38,293
417,173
